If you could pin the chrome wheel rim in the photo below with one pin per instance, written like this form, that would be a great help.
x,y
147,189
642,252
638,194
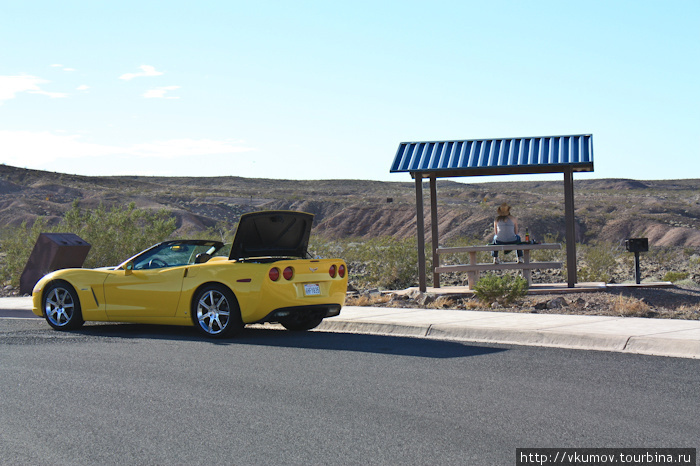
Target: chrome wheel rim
x,y
59,306
213,312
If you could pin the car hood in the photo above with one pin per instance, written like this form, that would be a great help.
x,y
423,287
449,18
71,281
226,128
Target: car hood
x,y
278,233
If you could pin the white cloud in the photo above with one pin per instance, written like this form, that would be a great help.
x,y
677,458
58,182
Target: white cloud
x,y
146,70
159,92
82,87
53,95
37,149
10,86
58,65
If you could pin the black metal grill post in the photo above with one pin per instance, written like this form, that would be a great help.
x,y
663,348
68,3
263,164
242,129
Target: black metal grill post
x,y
637,245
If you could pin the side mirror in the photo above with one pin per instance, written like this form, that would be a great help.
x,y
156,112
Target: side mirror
x,y
129,268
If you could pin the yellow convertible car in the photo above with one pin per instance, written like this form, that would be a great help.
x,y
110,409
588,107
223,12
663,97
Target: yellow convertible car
x,y
267,277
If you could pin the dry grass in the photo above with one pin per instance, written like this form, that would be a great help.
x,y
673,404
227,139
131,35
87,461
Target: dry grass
x,y
443,302
630,307
367,300
685,311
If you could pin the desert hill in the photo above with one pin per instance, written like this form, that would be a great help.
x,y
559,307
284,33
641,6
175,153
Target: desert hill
x,y
665,211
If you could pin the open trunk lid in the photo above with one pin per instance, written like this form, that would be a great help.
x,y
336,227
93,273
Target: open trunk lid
x,y
276,233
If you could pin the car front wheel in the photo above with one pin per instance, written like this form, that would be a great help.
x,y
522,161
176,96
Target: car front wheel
x,y
215,312
62,307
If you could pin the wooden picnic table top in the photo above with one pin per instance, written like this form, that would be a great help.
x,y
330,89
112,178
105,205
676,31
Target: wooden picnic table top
x,y
499,247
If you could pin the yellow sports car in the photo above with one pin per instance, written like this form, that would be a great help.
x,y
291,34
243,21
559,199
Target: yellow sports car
x,y
267,277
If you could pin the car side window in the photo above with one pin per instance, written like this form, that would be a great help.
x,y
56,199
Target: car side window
x,y
172,255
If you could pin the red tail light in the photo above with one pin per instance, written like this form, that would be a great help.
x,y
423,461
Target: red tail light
x,y
288,273
274,274
332,271
341,271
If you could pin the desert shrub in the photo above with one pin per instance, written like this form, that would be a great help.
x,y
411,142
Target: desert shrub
x,y
502,289
662,255
463,258
600,261
16,245
113,234
221,231
321,247
672,276
389,263
117,233
550,255
384,262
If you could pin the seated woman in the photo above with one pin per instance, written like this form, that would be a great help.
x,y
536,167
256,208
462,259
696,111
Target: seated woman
x,y
506,231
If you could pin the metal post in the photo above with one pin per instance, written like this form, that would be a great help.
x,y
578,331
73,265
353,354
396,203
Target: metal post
x,y
434,230
420,233
637,270
570,227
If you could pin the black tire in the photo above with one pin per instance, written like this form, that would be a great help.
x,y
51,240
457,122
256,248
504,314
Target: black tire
x,y
61,306
301,324
215,312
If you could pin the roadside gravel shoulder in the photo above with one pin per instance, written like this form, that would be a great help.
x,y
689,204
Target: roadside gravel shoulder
x,y
674,302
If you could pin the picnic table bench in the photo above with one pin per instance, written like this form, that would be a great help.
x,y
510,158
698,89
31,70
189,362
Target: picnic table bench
x,y
473,268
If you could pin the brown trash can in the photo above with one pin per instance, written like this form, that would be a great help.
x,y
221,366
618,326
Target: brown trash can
x,y
52,251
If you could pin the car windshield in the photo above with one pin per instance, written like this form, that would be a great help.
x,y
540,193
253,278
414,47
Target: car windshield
x,y
175,254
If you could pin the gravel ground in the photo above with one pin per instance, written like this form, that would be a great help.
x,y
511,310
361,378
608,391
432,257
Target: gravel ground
x,y
680,301
670,302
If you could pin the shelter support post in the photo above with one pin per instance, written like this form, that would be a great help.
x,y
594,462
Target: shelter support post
x,y
420,233
570,228
434,230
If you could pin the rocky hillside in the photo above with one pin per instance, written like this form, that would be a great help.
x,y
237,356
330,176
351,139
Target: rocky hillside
x,y
667,212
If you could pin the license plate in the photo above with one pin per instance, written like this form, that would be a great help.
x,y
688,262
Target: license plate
x,y
312,289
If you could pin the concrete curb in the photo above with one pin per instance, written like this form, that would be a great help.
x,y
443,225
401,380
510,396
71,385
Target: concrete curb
x,y
658,337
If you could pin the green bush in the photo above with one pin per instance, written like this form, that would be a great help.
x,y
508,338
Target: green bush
x,y
550,255
118,233
502,289
385,262
16,244
114,234
675,276
600,261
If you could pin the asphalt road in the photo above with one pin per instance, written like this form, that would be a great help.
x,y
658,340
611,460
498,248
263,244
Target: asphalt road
x,y
133,394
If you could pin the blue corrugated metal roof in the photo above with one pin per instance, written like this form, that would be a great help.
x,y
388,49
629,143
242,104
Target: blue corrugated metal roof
x,y
545,154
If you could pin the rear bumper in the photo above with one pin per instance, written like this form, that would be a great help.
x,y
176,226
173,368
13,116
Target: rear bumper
x,y
316,311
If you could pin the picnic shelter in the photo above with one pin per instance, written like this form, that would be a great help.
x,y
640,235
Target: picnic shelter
x,y
482,157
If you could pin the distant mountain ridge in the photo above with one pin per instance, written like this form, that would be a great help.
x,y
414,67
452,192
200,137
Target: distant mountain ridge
x,y
665,211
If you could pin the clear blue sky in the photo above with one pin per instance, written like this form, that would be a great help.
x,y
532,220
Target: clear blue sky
x,y
326,89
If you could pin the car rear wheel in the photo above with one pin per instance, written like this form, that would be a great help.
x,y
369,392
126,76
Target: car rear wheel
x,y
300,324
215,312
62,307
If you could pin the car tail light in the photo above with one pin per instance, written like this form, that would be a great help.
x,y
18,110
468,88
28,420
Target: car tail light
x,y
332,271
274,274
288,273
341,271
